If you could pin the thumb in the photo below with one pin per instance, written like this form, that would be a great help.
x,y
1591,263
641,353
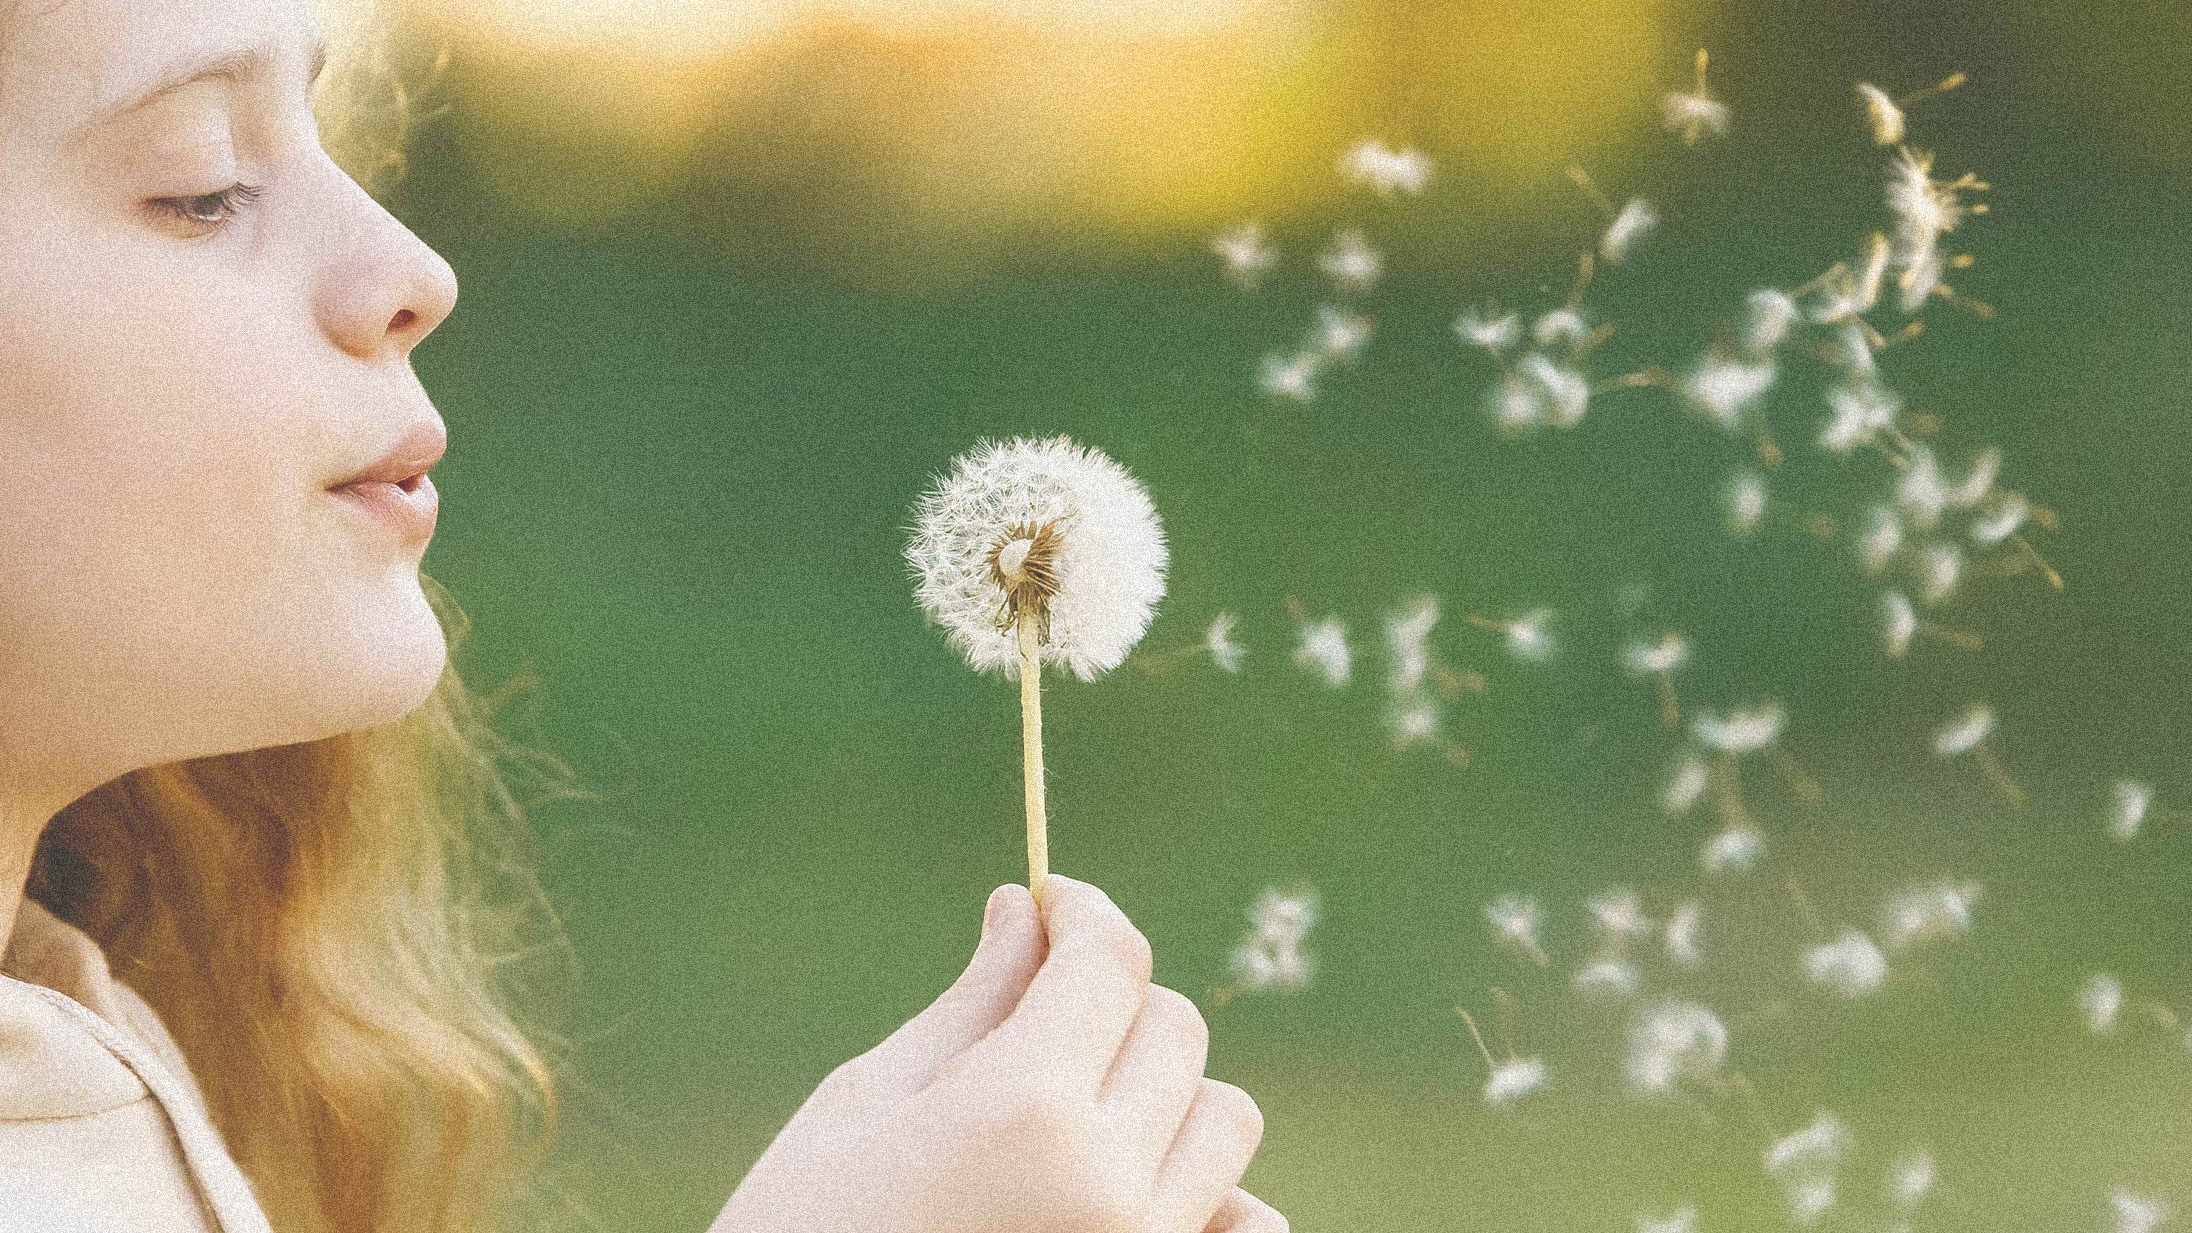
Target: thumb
x,y
984,995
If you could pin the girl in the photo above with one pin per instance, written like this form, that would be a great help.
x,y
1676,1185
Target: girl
x,y
262,881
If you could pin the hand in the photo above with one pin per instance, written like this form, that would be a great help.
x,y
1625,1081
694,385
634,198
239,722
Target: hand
x,y
1051,1089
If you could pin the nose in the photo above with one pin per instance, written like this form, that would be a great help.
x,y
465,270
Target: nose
x,y
384,289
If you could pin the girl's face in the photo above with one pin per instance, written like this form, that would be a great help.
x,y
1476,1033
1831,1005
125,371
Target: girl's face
x,y
181,379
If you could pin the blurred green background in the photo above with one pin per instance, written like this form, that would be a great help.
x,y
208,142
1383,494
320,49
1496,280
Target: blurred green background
x,y
738,283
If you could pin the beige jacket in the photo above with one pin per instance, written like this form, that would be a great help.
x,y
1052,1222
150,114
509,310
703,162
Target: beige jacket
x,y
103,1128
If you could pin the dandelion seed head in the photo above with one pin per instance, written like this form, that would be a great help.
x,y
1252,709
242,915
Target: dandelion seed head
x,y
1341,334
1746,499
1619,914
1882,539
1286,915
1528,638
2008,513
1097,552
1685,785
1848,348
1922,492
1514,918
1607,977
1562,392
1850,966
1407,636
1810,1199
1561,326
1816,1147
1670,652
1515,404
1291,376
1681,935
1510,1081
1350,262
1693,115
1940,566
1859,413
1912,1177
1965,731
1980,483
1928,912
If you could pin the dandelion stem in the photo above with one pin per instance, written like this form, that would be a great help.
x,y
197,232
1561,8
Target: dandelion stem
x,y
1031,758
2053,579
1998,775
1469,1019
1669,713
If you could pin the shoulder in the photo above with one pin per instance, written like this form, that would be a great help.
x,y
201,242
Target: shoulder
x,y
52,1063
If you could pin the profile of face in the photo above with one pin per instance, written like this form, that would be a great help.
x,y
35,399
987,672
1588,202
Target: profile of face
x,y
184,372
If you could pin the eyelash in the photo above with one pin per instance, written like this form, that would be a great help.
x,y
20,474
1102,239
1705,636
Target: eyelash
x,y
228,201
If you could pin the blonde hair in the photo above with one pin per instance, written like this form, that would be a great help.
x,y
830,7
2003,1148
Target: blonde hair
x,y
332,930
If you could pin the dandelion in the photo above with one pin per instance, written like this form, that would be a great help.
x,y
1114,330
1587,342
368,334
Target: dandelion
x,y
2101,998
1911,1178
2134,1213
1671,1042
1350,262
1694,113
1036,552
1628,226
1323,649
1514,920
1386,171
1927,913
1967,733
1340,334
1247,254
1735,849
2132,800
1746,499
1290,376
1479,328
1851,965
1767,316
1218,640
1681,935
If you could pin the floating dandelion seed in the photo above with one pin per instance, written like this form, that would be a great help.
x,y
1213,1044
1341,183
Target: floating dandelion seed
x,y
1610,977
1247,254
2135,1213
1881,112
1478,327
1508,1081
1561,394
1742,730
1809,1200
1350,262
1883,538
1694,113
1899,621
1685,785
1408,639
1224,652
1681,1220
1635,218
1619,915
1735,849
1746,500
1034,552
1561,327
1967,733
1928,913
1527,636
1912,1177
1723,389
1340,334
1386,171
1514,920
1681,935
2100,999
1940,566
2132,801
1860,413
1767,315
1922,491
1851,966
1290,376
1271,956
1323,649
1671,1042
2008,513
1815,1149
1659,661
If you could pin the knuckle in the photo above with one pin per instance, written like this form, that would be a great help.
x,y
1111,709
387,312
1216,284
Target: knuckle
x,y
1131,950
1238,1104
1185,1019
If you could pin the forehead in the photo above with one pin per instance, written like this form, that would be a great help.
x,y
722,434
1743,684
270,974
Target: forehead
x,y
63,61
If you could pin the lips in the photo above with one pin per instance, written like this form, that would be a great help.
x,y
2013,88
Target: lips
x,y
405,462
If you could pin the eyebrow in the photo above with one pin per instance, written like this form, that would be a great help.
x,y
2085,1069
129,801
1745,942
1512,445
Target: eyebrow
x,y
240,67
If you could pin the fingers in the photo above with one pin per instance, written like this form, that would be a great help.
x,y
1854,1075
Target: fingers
x,y
1243,1212
1219,1137
1085,997
1158,1073
1004,962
